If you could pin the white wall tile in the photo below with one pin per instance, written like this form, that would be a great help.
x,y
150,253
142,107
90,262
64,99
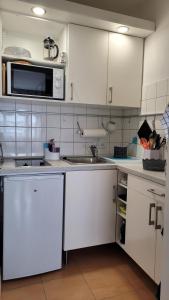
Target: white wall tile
x,y
23,119
39,108
23,148
7,118
92,122
23,107
79,148
53,133
7,105
66,135
67,109
7,134
66,121
9,149
162,88
116,137
143,107
150,91
53,108
39,120
53,120
161,104
80,109
37,149
151,106
38,134
23,134
66,149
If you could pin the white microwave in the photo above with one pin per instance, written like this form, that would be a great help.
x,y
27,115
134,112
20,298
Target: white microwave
x,y
28,80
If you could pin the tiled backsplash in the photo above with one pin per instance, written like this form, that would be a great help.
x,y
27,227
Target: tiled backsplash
x,y
25,127
155,97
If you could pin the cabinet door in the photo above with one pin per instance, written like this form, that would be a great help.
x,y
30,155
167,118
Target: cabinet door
x,y
89,209
125,70
159,240
87,65
140,236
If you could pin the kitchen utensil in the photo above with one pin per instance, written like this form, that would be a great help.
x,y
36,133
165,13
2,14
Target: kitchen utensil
x,y
145,144
144,131
51,50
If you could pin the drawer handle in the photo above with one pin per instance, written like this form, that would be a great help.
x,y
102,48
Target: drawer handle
x,y
111,94
71,86
158,226
151,222
152,191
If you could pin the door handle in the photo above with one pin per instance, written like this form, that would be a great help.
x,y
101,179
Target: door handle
x,y
71,86
152,191
158,226
111,94
151,222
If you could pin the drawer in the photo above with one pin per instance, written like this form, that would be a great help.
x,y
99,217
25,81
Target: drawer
x,y
147,188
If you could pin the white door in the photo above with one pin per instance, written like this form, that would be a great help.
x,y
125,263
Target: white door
x,y
87,65
125,70
89,208
32,233
140,236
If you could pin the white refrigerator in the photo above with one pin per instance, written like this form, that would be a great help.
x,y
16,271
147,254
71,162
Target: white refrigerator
x,y
32,225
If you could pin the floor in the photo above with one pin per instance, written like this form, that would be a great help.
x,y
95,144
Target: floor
x,y
97,273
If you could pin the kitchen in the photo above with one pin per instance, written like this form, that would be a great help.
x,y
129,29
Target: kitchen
x,y
67,136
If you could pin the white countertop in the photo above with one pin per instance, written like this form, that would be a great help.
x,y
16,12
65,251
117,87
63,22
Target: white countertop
x,y
129,166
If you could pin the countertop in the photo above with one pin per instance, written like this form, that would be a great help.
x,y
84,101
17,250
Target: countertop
x,y
129,166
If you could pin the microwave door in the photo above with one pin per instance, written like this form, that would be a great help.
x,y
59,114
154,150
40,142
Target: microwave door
x,y
28,80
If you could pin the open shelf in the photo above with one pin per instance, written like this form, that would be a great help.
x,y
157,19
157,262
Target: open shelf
x,y
121,215
122,185
121,200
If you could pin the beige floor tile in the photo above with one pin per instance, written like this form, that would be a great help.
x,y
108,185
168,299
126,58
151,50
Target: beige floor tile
x,y
107,283
31,292
67,271
13,284
73,288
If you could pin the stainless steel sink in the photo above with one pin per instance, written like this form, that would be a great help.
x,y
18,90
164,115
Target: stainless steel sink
x,y
84,160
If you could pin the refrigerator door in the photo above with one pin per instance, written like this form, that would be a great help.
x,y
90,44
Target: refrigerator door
x,y
32,233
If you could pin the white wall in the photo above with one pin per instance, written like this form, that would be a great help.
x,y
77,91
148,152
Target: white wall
x,y
156,64
156,68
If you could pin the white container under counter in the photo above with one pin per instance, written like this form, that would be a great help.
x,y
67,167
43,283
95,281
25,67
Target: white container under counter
x,y
51,155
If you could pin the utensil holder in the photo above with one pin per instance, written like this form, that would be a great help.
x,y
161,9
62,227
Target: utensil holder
x,y
151,154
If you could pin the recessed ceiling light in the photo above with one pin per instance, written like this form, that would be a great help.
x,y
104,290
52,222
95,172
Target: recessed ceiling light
x,y
123,29
39,11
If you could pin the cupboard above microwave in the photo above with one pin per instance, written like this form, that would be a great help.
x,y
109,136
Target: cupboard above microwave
x,y
29,80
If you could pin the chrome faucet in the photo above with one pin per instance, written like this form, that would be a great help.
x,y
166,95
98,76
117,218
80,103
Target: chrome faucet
x,y
94,150
1,156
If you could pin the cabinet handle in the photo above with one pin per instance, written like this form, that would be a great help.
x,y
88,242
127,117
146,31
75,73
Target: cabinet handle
x,y
152,191
158,209
151,222
111,94
71,86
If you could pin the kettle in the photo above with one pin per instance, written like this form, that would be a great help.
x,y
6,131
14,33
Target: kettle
x,y
51,50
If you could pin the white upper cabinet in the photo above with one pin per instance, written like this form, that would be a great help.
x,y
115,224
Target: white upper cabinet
x,y
124,70
87,65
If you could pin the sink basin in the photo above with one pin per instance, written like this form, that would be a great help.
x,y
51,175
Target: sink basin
x,y
84,160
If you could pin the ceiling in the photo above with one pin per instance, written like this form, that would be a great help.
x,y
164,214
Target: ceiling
x,y
129,7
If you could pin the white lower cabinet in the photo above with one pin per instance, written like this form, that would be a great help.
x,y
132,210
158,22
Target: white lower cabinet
x,y
144,224
90,209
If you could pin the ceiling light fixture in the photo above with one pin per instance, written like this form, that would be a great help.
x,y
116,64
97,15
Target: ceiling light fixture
x,y
123,29
38,11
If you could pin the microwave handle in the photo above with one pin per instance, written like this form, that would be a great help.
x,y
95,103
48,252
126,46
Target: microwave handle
x,y
9,70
